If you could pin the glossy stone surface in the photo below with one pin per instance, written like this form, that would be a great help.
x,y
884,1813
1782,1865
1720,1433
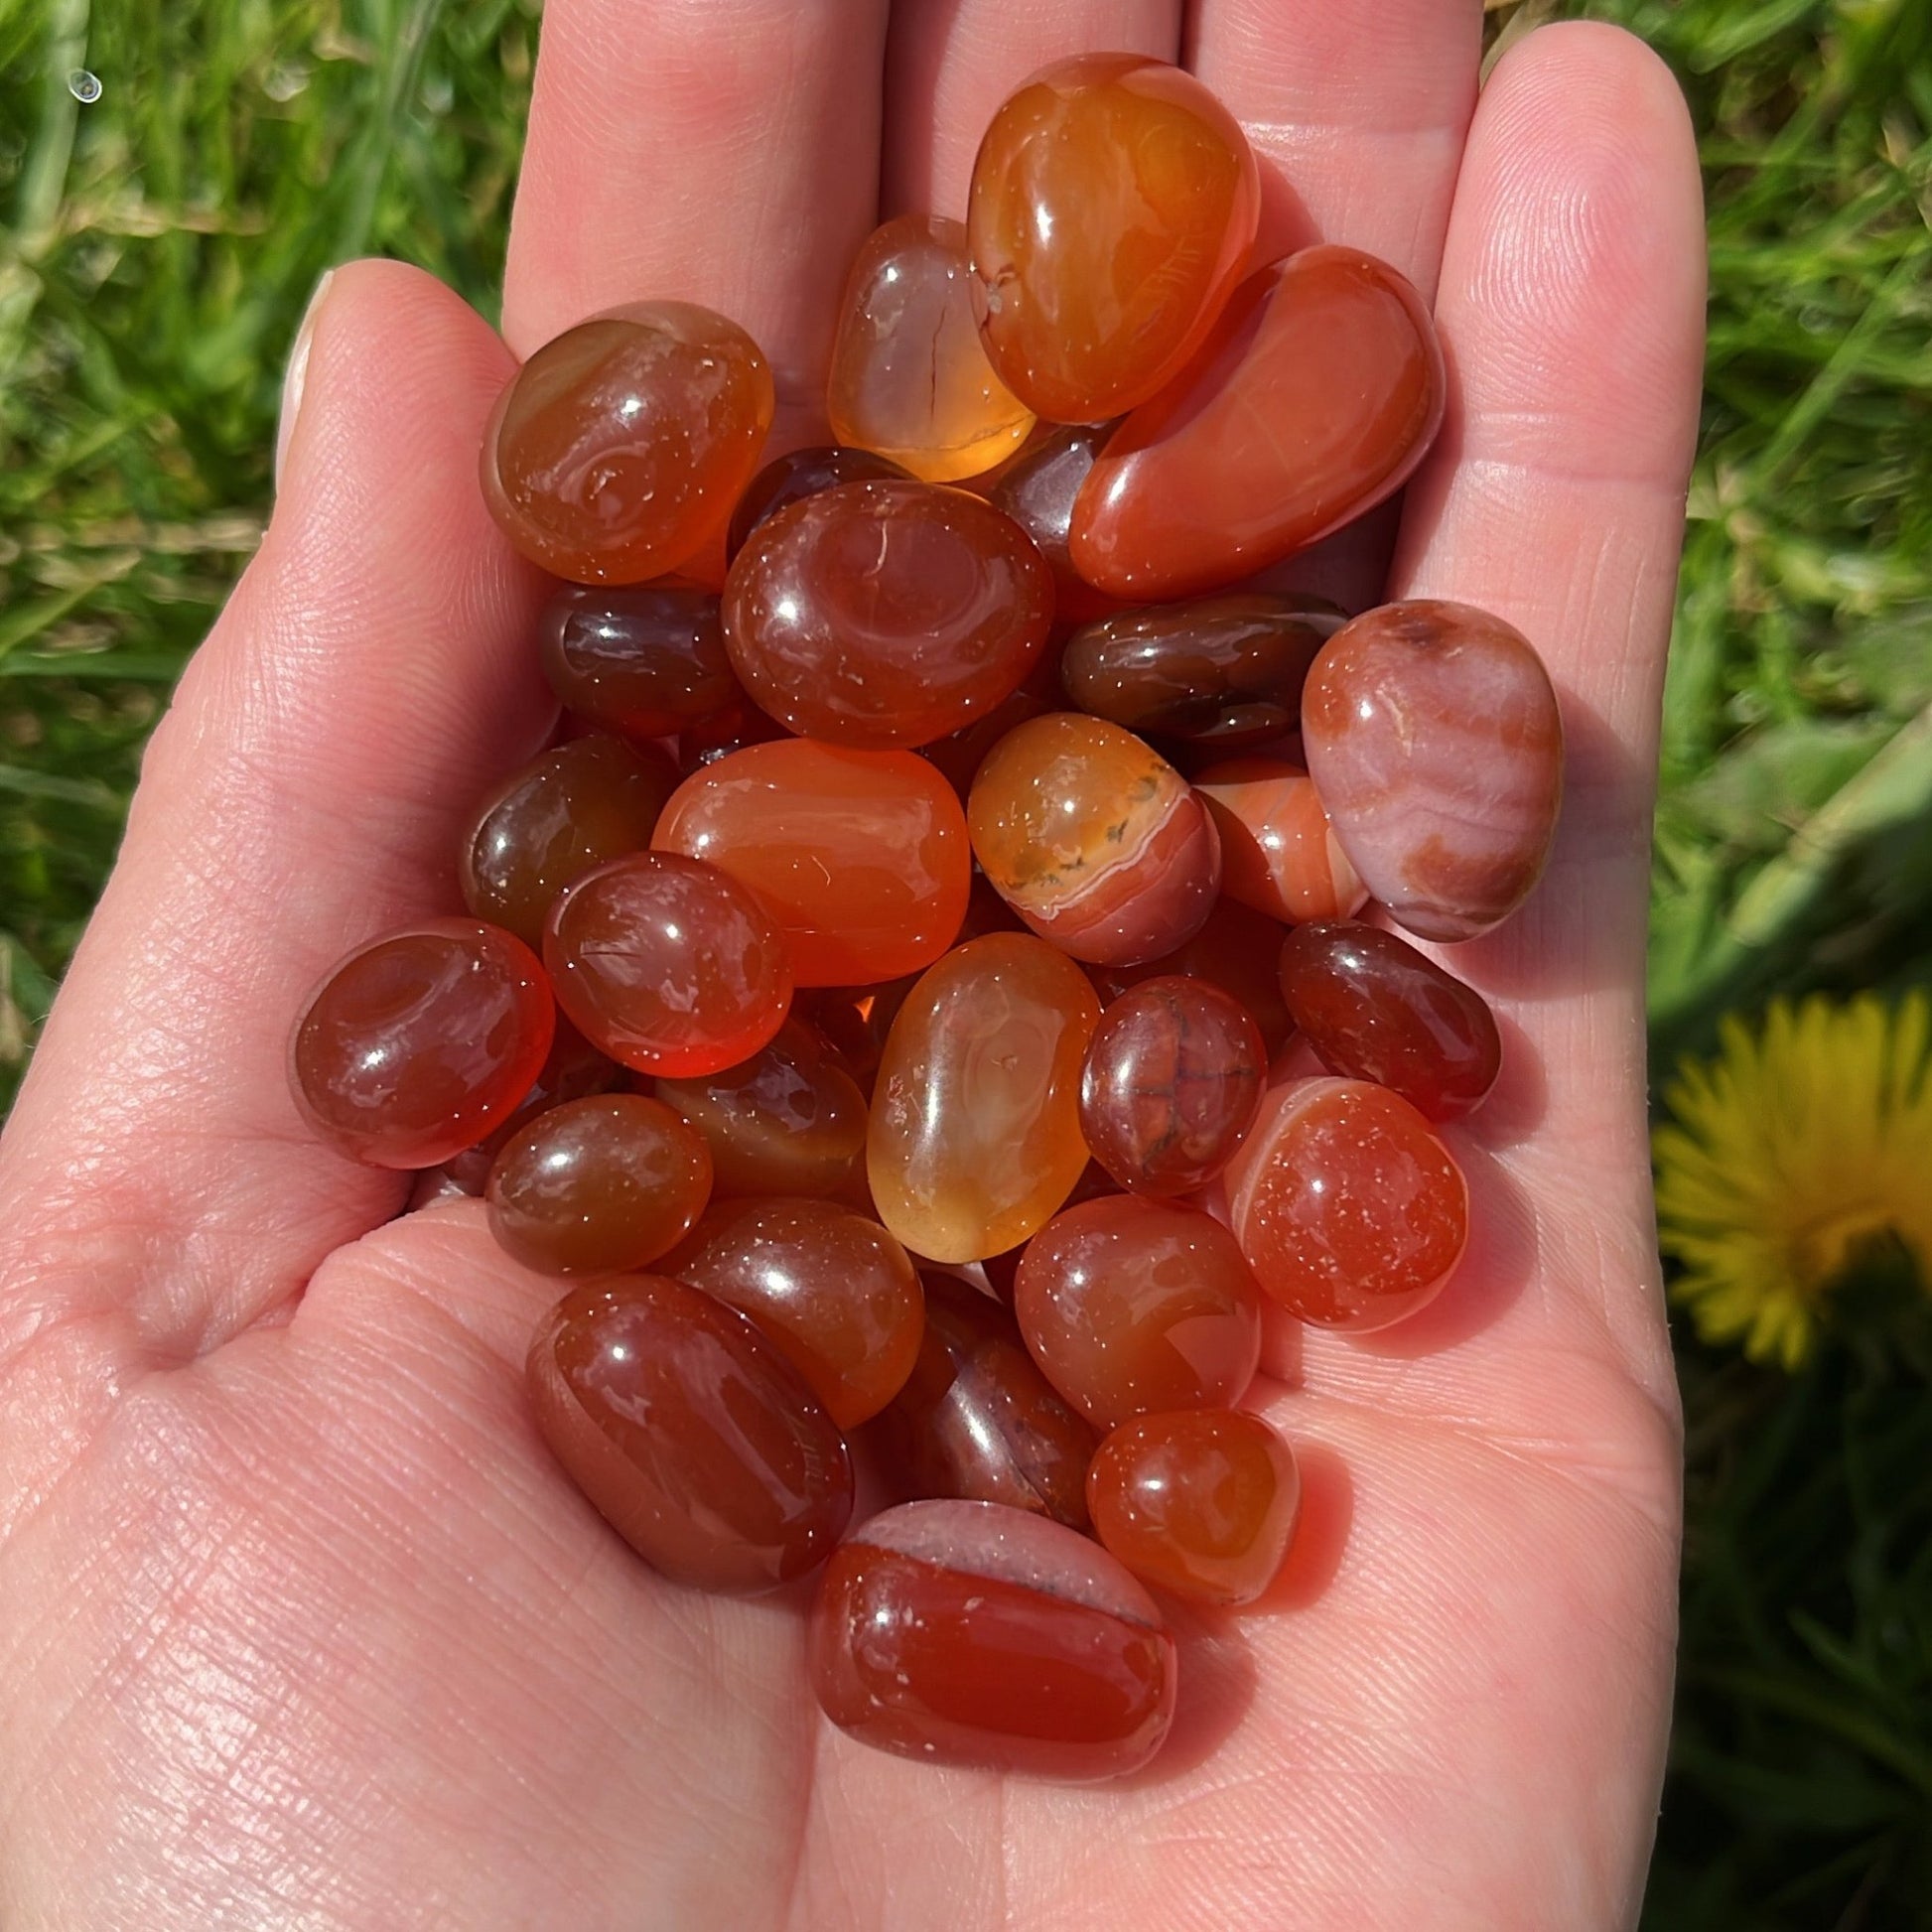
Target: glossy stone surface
x,y
974,1131
1236,949
668,964
568,811
1350,1210
968,1633
689,1433
1199,1503
597,1187
1280,854
740,724
1434,734
1132,1305
886,613
1373,1008
860,856
1037,490
420,1044
1317,393
977,1419
799,474
909,375
1171,1083
1112,207
642,661
1094,839
959,754
853,1022
832,1289
619,447
571,1069
790,1120
1222,672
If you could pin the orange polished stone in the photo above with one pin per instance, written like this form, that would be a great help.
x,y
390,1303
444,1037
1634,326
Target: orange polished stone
x,y
832,1289
886,613
969,1634
860,856
1317,393
564,813
790,1120
689,1433
909,375
1201,1502
668,964
421,1043
1095,840
799,473
1350,1210
1112,207
974,1131
600,1185
1279,852
1132,1305
1236,949
644,660
619,447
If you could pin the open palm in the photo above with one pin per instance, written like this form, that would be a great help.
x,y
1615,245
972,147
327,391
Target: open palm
x,y
299,1623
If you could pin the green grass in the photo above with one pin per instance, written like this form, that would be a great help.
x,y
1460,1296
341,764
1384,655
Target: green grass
x,y
157,247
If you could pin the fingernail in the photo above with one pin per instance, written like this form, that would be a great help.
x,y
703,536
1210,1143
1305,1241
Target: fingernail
x,y
297,378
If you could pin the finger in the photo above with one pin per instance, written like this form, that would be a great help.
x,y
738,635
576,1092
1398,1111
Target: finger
x,y
715,151
370,676
949,64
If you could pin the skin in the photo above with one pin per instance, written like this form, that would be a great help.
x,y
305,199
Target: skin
x,y
300,1625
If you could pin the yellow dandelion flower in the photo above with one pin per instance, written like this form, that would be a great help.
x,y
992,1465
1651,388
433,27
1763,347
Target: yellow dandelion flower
x,y
1798,1145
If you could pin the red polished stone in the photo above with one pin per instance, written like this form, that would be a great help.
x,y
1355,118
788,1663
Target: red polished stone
x,y
1132,1305
1236,950
1171,1083
619,447
1279,852
1315,396
1375,1009
1201,1502
799,474
645,660
832,1289
421,1043
1350,1210
689,1433
1037,489
975,1419
1433,732
1112,207
597,1187
668,964
580,803
886,613
968,1633
860,856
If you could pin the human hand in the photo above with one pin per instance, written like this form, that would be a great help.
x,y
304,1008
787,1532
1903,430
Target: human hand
x,y
300,1624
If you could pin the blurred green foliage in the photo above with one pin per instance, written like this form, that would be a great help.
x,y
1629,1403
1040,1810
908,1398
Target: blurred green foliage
x,y
157,247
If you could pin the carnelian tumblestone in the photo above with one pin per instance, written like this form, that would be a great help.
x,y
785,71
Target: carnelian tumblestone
x,y
860,856
886,613
1202,1502
1350,1210
974,1131
644,660
564,813
668,964
1280,853
1171,1083
1094,839
1375,1009
1315,396
909,375
799,473
1433,732
1037,490
977,1419
1112,207
969,1634
690,1433
619,447
1236,949
420,1044
790,1120
600,1185
1132,1305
